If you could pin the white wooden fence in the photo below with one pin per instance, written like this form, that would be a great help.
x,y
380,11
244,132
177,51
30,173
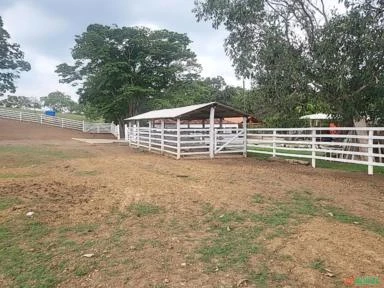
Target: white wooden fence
x,y
60,122
342,144
185,142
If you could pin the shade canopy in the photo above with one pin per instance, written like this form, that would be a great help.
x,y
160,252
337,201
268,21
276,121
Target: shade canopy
x,y
318,116
192,112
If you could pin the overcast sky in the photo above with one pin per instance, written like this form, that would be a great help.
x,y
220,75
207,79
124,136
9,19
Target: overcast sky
x,y
45,29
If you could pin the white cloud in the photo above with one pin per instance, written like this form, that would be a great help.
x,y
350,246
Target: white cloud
x,y
27,24
42,79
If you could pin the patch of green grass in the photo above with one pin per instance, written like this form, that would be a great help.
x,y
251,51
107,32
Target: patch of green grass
x,y
277,277
207,208
12,156
260,278
8,202
87,173
258,198
304,204
34,230
85,267
26,268
350,167
231,216
343,216
14,175
230,249
81,229
141,209
318,264
276,216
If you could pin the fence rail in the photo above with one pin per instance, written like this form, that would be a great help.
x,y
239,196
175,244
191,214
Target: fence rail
x,y
362,145
60,122
186,141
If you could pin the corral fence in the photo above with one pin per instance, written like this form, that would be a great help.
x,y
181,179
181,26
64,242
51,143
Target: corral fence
x,y
185,142
60,122
363,145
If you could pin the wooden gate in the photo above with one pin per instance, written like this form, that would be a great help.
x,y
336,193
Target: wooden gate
x,y
229,141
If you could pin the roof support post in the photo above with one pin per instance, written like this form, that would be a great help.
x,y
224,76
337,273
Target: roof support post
x,y
162,136
245,136
221,123
212,133
203,123
178,138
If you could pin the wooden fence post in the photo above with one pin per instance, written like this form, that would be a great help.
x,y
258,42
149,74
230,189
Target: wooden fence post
x,y
178,138
313,148
245,136
126,132
62,123
370,152
150,135
274,143
83,126
21,117
162,136
130,133
41,119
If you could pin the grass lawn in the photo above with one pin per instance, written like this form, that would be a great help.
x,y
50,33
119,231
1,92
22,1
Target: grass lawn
x,y
351,167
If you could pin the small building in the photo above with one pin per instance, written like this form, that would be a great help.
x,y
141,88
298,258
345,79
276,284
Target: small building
x,y
196,130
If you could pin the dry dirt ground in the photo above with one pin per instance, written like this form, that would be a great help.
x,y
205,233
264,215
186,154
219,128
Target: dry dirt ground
x,y
150,221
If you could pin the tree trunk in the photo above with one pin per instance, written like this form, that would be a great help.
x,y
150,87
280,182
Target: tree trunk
x,y
121,128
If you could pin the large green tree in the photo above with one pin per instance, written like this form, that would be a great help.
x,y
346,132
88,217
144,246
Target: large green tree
x,y
13,101
122,70
334,64
197,91
349,62
11,62
265,45
59,102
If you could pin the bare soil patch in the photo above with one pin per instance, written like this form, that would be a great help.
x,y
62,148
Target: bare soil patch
x,y
151,221
11,130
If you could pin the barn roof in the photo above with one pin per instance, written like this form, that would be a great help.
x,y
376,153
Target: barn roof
x,y
192,112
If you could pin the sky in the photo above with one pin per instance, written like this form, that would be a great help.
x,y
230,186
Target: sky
x,y
45,29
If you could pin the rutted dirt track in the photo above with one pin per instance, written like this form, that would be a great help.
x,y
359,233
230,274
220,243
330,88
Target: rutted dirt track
x,y
101,182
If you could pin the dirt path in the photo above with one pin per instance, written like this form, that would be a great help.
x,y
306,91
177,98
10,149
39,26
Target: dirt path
x,y
11,130
152,221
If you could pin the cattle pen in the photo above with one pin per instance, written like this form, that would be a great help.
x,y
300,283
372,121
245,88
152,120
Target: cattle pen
x,y
171,131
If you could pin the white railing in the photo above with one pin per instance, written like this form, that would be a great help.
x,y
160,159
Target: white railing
x,y
343,144
59,122
186,141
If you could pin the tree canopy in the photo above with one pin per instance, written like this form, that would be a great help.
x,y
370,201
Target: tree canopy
x,y
302,58
59,102
13,101
122,70
11,62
